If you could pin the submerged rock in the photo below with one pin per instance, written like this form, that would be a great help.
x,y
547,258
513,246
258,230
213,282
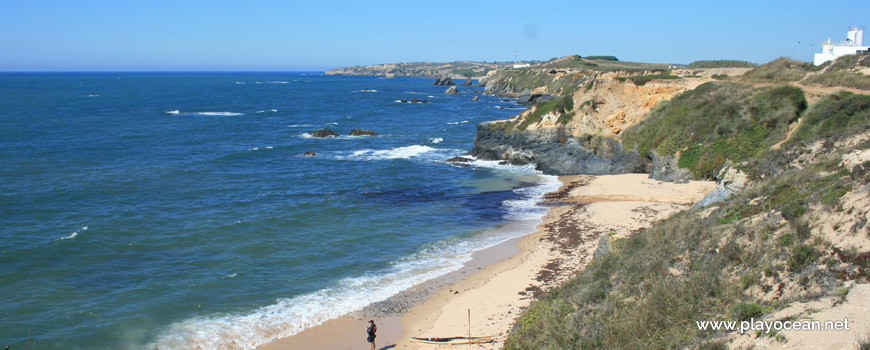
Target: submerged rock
x,y
362,132
459,160
324,133
475,98
310,154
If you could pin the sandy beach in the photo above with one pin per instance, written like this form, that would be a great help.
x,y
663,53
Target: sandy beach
x,y
502,281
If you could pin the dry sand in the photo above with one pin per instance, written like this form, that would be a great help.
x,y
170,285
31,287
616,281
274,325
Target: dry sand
x,y
582,210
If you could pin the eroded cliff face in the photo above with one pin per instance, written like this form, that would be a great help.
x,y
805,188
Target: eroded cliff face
x,y
583,136
613,102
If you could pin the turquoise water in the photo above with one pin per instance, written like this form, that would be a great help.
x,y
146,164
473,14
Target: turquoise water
x,y
175,210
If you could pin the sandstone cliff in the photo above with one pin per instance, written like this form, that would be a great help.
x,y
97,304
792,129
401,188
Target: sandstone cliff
x,y
579,132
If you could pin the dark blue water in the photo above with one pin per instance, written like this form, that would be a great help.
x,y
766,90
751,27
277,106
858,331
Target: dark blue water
x,y
177,210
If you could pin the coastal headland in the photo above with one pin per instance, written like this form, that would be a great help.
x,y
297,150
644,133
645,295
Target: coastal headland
x,y
743,186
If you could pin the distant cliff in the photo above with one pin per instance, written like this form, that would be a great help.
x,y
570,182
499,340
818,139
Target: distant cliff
x,y
461,69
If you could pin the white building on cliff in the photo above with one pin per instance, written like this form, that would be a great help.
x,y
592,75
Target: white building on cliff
x,y
854,43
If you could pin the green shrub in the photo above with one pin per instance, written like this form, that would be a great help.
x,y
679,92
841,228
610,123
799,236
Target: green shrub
x,y
832,115
802,256
720,76
840,78
746,311
786,239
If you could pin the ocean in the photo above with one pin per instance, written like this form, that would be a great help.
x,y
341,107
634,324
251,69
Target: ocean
x,y
176,210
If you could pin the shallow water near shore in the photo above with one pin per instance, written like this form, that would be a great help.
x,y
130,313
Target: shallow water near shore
x,y
171,210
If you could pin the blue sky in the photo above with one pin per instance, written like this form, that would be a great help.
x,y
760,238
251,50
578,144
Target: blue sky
x,y
88,35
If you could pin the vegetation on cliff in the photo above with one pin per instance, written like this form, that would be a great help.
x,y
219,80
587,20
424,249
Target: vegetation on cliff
x,y
746,257
717,122
721,64
780,70
845,72
641,80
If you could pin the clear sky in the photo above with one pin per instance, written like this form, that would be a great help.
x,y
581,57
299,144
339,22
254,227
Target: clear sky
x,y
64,35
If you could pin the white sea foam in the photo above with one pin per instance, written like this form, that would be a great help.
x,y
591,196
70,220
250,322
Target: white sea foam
x,y
305,135
436,140
299,126
218,114
274,110
289,316
74,234
332,123
277,82
406,152
210,114
240,83
452,123
527,207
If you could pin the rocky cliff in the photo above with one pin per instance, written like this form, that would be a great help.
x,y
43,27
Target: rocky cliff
x,y
577,128
555,152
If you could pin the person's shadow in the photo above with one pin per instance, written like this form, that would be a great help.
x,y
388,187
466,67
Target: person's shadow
x,y
388,347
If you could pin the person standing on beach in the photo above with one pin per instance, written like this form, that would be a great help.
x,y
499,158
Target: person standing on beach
x,y
370,330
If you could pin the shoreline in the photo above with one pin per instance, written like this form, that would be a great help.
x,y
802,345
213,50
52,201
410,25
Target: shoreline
x,y
501,281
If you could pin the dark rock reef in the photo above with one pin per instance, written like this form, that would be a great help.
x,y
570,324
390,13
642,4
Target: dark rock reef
x,y
362,132
446,81
324,133
555,153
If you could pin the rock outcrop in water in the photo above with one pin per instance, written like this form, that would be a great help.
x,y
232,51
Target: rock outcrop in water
x,y
324,133
452,90
445,81
362,132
